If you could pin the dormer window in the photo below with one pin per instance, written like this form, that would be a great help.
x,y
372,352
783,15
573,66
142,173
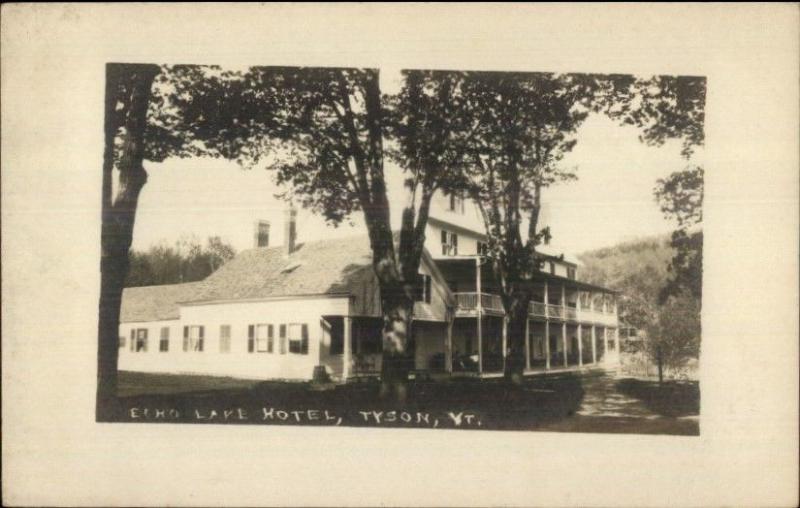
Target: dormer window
x,y
456,204
449,243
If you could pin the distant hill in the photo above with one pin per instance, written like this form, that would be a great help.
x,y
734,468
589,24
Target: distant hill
x,y
637,268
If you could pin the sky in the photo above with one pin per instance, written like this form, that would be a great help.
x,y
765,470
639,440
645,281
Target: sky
x,y
612,200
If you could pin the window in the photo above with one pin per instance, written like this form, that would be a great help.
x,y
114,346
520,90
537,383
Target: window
x,y
483,249
298,338
163,343
225,339
456,204
121,341
264,338
139,340
423,288
282,338
552,268
193,338
570,272
449,243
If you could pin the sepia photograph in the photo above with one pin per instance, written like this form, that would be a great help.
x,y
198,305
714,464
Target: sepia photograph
x,y
418,248
409,254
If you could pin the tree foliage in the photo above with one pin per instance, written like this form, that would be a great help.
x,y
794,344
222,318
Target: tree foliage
x,y
185,261
680,197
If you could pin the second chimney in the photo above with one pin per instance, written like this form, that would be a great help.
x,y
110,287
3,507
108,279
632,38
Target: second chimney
x,y
261,234
289,230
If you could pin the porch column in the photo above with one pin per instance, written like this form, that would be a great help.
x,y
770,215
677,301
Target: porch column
x,y
448,348
346,357
479,311
546,344
564,324
527,343
594,346
580,345
505,338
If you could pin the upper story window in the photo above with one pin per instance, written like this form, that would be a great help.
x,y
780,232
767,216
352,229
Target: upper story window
x,y
570,272
483,248
449,243
552,268
456,204
424,289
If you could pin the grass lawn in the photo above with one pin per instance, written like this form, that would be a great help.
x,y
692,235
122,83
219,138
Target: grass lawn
x,y
541,403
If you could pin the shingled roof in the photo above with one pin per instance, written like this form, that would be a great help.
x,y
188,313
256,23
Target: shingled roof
x,y
323,267
341,266
155,303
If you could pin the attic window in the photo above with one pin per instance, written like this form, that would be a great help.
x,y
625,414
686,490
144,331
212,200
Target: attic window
x,y
291,267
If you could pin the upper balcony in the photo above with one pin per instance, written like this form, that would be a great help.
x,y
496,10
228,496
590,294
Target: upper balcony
x,y
605,315
468,304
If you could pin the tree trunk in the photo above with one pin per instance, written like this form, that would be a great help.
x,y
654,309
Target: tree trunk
x,y
129,86
398,346
517,321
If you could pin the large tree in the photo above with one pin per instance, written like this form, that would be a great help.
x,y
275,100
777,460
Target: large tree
x,y
142,122
127,98
531,121
323,132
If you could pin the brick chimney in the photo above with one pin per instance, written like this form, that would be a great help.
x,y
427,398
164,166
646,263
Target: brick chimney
x,y
261,233
289,230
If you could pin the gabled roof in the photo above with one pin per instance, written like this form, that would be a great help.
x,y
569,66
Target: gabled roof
x,y
341,266
336,267
323,267
155,303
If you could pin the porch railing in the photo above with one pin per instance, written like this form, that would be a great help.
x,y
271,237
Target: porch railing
x,y
555,311
538,309
469,301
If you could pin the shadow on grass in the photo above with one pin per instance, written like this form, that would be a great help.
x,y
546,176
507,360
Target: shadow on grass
x,y
493,404
671,399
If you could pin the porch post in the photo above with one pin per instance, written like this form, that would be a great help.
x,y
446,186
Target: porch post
x,y
505,338
564,323
594,346
346,357
580,345
448,347
479,311
546,344
527,343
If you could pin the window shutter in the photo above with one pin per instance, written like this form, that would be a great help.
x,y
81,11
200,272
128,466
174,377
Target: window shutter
x,y
186,338
282,337
133,339
455,244
444,237
145,341
304,343
250,338
200,344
